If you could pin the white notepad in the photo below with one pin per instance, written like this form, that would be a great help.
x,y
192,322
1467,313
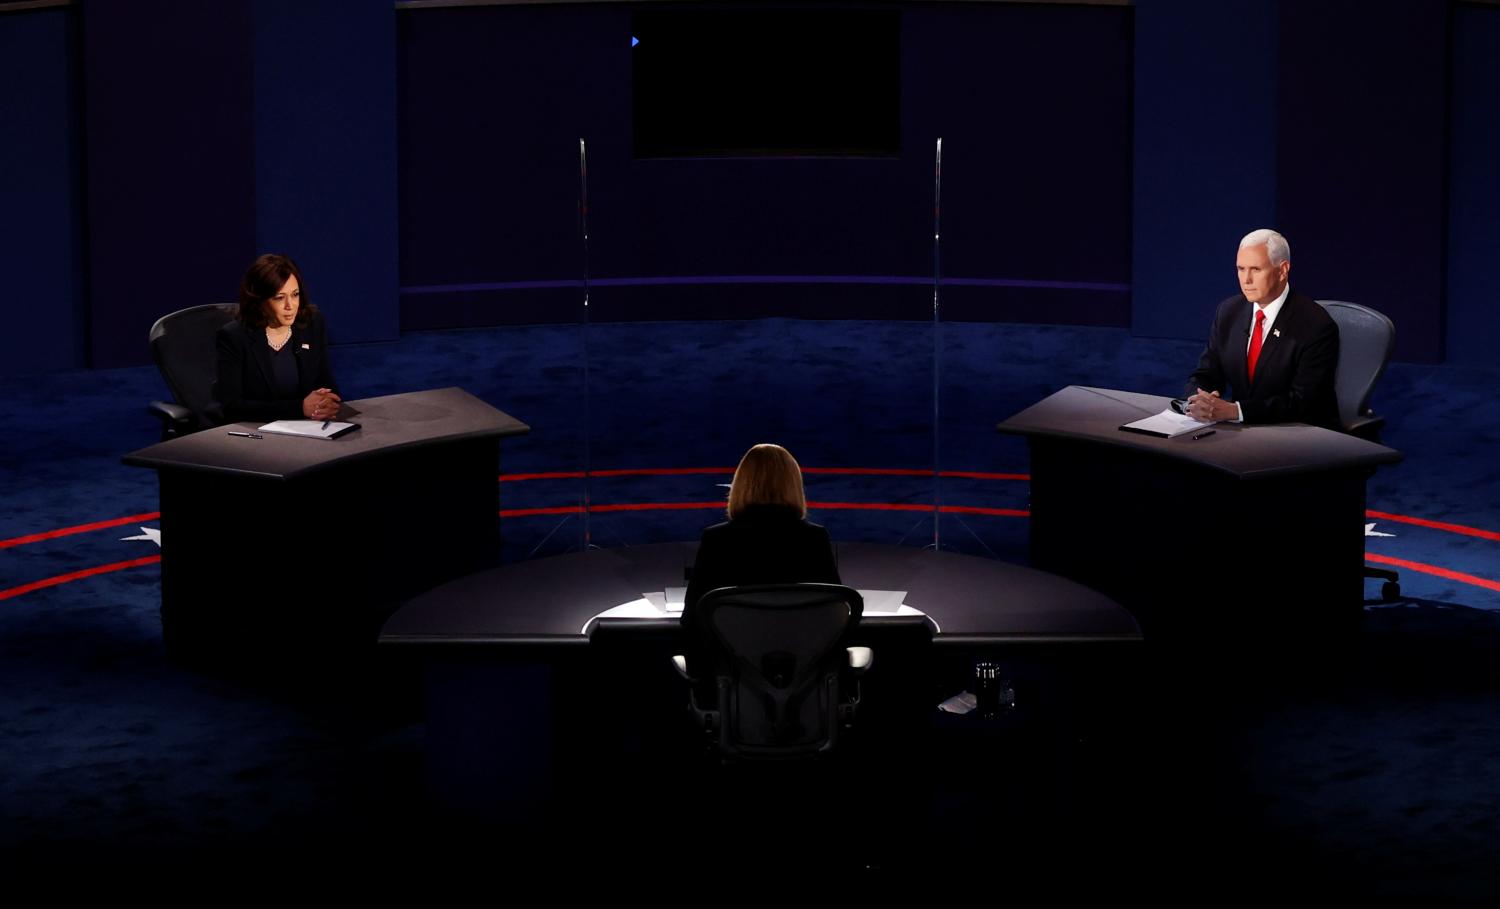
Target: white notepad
x,y
308,429
1166,424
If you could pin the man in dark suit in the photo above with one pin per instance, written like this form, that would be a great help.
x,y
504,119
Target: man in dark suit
x,y
1272,353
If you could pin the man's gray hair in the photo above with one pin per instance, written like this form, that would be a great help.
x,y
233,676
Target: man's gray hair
x,y
1276,246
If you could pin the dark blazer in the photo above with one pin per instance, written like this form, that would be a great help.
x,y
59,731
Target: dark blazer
x,y
244,384
1295,373
764,545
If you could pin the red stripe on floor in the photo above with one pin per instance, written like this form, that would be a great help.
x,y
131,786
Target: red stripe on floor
x,y
660,471
619,506
910,506
655,506
870,471
530,512
1435,525
77,575
81,528
910,472
830,506
871,506
683,471
1434,570
975,509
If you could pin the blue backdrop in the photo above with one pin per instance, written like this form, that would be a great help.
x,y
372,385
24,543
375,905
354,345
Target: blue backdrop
x,y
1100,161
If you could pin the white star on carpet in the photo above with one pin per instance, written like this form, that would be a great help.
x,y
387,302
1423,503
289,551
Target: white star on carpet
x,y
152,534
1370,531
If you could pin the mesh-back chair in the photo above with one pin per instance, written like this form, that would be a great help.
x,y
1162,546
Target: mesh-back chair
x,y
780,667
182,344
1366,339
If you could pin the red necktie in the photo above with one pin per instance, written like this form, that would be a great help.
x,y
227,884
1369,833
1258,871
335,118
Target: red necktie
x,y
1260,319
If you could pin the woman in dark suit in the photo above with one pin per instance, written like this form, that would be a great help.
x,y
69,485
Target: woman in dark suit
x,y
273,358
767,539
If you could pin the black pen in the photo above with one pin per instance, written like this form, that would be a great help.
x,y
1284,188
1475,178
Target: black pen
x,y
1204,434
325,424
248,435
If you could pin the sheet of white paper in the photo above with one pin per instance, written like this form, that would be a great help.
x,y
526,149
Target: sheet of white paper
x,y
312,429
961,703
886,602
1168,423
668,604
635,609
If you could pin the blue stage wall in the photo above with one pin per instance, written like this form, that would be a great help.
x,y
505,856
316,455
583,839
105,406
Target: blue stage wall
x,y
171,163
1360,158
41,210
325,154
1204,154
1032,103
1474,189
1088,150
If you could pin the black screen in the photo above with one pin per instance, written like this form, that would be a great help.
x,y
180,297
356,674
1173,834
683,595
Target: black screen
x,y
766,81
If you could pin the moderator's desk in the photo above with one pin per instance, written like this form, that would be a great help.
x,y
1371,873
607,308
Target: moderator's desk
x,y
511,674
548,601
1254,518
285,540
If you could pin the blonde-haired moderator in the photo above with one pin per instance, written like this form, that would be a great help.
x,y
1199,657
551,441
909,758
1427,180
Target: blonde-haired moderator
x,y
767,475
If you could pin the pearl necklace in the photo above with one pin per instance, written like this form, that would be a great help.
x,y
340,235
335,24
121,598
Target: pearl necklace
x,y
278,345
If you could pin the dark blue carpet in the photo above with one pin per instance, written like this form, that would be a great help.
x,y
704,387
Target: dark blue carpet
x,y
1371,771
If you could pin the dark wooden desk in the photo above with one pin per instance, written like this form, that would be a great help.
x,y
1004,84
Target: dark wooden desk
x,y
1262,521
513,681
547,602
290,541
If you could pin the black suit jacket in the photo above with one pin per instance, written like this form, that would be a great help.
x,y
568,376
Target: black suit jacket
x,y
1295,373
244,385
764,545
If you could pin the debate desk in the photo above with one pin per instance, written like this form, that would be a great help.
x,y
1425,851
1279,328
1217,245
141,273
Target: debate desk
x,y
281,543
1260,524
519,675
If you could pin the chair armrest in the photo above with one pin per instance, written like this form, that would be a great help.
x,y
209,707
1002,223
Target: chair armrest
x,y
860,658
680,663
169,413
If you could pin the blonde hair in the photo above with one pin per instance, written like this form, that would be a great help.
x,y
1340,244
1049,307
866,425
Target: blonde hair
x,y
767,475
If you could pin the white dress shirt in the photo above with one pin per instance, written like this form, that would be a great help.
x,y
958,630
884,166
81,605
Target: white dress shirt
x,y
1271,309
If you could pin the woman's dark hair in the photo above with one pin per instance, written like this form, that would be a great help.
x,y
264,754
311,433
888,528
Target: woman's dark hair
x,y
262,280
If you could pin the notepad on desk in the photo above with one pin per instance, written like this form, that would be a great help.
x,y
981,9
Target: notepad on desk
x,y
667,604
309,429
1167,424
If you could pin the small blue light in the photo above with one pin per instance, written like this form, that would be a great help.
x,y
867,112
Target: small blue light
x,y
634,41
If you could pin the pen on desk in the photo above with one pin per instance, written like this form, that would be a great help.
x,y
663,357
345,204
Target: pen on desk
x,y
325,423
248,435
1204,434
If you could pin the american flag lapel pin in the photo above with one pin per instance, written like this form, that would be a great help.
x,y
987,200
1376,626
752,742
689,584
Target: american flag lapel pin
x,y
1275,333
306,346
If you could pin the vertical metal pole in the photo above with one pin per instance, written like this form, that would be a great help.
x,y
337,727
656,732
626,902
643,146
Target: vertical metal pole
x,y
937,272
583,226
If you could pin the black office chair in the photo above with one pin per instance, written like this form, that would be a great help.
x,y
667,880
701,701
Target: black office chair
x,y
182,344
1366,339
784,681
